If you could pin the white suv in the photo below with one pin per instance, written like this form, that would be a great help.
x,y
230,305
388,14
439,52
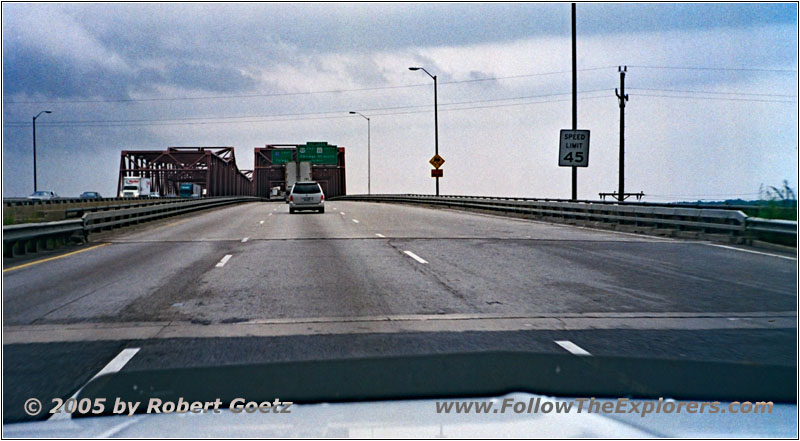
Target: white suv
x,y
306,196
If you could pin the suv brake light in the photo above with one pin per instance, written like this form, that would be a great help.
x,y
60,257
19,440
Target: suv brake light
x,y
291,197
322,197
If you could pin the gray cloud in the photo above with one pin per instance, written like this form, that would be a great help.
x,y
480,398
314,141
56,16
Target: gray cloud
x,y
118,51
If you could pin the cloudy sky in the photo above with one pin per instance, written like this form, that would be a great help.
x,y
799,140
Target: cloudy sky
x,y
712,114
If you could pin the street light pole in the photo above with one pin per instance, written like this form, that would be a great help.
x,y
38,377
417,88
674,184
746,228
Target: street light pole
x,y
369,168
35,188
435,113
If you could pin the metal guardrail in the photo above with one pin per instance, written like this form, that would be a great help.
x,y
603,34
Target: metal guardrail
x,y
104,220
43,229
80,211
32,237
712,220
14,202
773,226
604,202
728,221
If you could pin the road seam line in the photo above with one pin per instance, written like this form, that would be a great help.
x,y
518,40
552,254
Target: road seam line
x,y
572,348
415,257
224,260
113,366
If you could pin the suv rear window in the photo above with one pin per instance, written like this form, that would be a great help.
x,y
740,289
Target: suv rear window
x,y
306,189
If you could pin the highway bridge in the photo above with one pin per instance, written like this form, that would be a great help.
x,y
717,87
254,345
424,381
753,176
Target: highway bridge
x,y
252,283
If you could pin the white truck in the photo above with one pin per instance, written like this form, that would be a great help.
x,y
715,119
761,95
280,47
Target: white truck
x,y
135,187
294,176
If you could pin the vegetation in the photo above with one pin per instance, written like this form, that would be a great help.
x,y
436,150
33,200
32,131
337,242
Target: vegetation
x,y
773,203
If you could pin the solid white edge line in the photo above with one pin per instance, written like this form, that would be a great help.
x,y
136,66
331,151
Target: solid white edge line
x,y
115,365
572,347
355,220
379,235
224,260
415,257
751,251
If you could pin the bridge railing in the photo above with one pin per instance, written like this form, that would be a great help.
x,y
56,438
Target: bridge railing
x,y
656,216
33,237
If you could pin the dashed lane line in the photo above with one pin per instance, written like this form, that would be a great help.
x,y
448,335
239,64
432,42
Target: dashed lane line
x,y
224,260
573,348
415,257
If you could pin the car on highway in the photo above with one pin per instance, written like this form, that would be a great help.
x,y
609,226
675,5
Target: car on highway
x,y
307,196
90,195
154,194
43,195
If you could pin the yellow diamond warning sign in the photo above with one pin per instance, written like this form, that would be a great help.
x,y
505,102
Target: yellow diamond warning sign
x,y
436,161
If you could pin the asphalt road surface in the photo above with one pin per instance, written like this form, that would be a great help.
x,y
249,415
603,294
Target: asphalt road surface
x,y
253,283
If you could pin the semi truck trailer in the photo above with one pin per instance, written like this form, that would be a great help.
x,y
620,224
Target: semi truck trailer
x,y
135,187
190,190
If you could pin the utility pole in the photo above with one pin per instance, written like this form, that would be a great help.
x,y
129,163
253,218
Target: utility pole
x,y
620,195
574,102
622,98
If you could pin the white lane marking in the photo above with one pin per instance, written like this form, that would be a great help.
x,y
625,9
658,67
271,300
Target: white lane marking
x,y
267,215
224,260
355,220
379,235
245,239
115,365
262,222
751,251
415,257
342,213
572,347
274,209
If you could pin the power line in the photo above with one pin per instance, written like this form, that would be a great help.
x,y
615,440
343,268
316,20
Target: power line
x,y
715,98
740,69
307,118
715,93
377,109
266,95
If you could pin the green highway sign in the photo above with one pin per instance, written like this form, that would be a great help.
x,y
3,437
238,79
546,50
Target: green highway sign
x,y
281,156
318,153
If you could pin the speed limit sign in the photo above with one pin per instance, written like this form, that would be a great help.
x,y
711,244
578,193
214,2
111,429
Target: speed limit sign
x,y
573,148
